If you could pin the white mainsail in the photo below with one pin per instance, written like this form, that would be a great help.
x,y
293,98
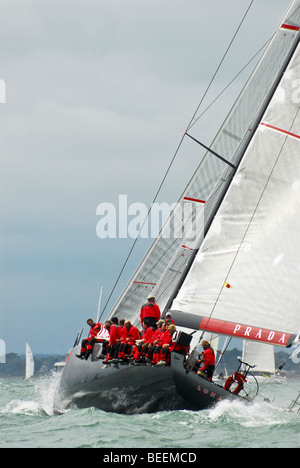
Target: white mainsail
x,y
29,371
245,278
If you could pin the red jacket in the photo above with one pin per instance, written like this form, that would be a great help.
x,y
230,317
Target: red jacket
x,y
165,338
150,309
115,333
147,336
208,358
94,330
130,336
156,335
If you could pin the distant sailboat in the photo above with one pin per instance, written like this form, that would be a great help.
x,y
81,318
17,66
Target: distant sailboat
x,y
2,352
263,357
29,371
239,275
260,355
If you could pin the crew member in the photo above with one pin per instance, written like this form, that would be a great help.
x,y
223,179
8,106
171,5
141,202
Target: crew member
x,y
155,341
161,353
115,335
146,338
88,343
169,319
156,332
208,360
150,311
129,336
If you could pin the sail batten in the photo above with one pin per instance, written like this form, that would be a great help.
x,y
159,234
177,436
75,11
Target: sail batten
x,y
281,130
290,27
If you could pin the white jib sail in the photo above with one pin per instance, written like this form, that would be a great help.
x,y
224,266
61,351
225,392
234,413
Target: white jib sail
x,y
253,246
29,372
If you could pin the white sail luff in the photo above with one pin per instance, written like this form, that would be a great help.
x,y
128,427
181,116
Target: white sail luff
x,y
29,371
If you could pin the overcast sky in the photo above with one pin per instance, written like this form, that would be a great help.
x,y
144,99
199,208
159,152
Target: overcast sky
x,y
98,95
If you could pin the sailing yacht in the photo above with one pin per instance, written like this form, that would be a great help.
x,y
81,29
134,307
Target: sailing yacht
x,y
238,275
29,362
263,357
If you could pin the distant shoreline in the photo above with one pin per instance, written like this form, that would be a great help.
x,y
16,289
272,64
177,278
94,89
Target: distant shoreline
x,y
44,363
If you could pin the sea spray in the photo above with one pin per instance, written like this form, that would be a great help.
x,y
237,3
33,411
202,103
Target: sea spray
x,y
45,388
27,420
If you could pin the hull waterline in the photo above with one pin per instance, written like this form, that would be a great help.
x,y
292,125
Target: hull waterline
x,y
128,389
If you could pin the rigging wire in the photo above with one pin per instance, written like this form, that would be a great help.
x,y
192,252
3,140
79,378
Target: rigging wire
x,y
238,74
190,125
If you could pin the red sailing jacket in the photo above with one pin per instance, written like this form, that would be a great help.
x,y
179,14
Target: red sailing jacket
x,y
147,336
130,336
150,309
208,358
94,330
165,338
115,333
156,335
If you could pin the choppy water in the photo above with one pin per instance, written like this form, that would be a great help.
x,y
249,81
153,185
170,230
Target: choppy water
x,y
27,420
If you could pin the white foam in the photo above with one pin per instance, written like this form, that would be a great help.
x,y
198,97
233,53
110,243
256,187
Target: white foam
x,y
258,414
42,398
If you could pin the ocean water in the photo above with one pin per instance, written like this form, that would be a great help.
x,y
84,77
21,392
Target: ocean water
x,y
27,421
